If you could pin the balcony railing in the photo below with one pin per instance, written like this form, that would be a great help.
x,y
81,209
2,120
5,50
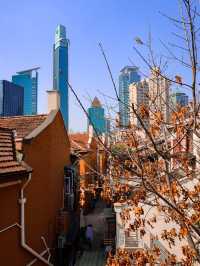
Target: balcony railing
x,y
131,240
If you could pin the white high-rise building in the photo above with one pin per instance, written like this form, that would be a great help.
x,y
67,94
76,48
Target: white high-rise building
x,y
158,95
138,95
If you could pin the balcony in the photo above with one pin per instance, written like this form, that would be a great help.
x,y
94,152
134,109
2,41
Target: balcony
x,y
131,240
125,238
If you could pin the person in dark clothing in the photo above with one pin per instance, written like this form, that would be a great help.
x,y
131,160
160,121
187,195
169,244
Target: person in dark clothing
x,y
72,240
89,235
82,240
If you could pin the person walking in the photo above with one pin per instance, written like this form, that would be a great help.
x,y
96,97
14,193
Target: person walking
x,y
82,241
89,235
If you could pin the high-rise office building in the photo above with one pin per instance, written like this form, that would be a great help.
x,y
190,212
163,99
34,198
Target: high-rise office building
x,y
28,79
97,117
127,76
11,99
138,96
108,125
179,99
158,95
60,70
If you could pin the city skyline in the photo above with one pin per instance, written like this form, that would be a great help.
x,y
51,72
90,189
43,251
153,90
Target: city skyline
x,y
88,74
100,133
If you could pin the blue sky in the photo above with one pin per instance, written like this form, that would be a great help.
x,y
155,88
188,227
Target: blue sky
x,y
27,35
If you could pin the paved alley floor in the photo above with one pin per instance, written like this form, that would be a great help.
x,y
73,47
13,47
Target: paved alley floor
x,y
94,257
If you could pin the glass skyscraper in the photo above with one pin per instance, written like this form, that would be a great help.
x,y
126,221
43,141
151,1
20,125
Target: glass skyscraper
x,y
28,79
11,99
127,76
60,70
179,98
97,117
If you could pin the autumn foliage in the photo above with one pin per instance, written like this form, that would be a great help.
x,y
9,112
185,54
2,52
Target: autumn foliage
x,y
154,174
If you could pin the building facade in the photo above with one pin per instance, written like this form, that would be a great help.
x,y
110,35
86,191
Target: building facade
x,y
138,96
60,70
28,79
132,240
179,98
90,163
11,99
13,176
127,76
158,95
44,135
97,117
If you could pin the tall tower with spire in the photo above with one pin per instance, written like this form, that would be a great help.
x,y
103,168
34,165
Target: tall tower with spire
x,y
97,117
60,71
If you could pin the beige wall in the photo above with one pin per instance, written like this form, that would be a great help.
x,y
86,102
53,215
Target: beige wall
x,y
53,100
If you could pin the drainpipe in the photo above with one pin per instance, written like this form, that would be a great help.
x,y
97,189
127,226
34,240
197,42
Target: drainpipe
x,y
22,202
9,227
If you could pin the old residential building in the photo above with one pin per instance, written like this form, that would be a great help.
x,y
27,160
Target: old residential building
x,y
13,177
39,140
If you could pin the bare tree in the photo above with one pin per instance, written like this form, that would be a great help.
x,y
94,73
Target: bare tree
x,y
161,169
153,171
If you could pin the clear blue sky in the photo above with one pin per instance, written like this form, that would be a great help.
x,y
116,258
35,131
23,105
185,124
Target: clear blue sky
x,y
27,35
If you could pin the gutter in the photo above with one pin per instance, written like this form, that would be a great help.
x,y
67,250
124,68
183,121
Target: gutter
x,y
22,202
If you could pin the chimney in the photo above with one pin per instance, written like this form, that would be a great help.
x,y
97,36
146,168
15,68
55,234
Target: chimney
x,y
90,133
53,100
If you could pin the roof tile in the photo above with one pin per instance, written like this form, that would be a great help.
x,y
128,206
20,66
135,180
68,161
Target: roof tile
x,y
79,141
8,161
22,124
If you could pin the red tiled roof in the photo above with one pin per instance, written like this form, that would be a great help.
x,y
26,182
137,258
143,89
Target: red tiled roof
x,y
22,124
79,141
8,161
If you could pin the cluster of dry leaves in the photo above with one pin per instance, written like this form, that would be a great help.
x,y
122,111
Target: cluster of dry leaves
x,y
162,173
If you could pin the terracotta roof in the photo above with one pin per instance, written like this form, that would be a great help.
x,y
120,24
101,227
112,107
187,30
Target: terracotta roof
x,y
8,162
23,125
79,141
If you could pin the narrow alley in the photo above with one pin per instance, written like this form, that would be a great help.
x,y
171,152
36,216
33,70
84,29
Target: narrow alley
x,y
94,257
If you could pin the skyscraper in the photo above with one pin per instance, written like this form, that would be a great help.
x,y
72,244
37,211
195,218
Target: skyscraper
x,y
179,98
11,99
138,95
127,76
97,117
108,125
158,95
60,70
28,79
